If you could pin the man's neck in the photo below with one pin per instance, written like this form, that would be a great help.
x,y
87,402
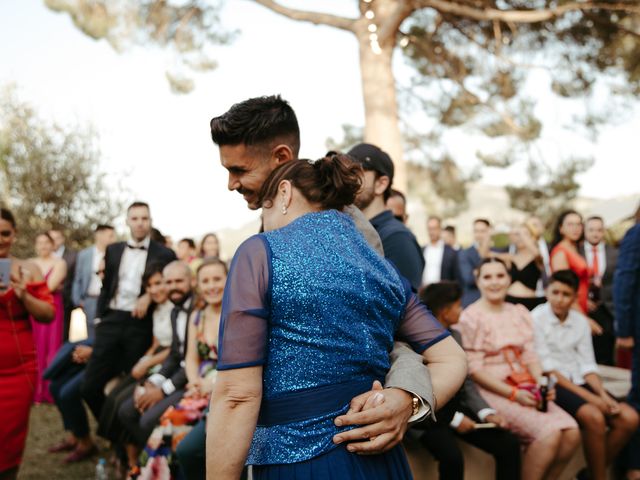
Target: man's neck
x,y
376,207
562,317
435,243
593,244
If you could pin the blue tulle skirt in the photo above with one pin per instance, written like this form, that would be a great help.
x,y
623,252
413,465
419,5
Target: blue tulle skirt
x,y
339,464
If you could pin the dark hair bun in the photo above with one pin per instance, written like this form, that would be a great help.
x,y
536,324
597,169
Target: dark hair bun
x,y
339,181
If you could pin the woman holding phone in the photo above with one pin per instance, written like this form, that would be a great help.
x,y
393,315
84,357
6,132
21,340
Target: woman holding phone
x,y
23,293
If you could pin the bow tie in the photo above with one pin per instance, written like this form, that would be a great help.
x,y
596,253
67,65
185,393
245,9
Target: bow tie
x,y
136,247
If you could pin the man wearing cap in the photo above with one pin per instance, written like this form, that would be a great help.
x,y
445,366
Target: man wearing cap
x,y
400,245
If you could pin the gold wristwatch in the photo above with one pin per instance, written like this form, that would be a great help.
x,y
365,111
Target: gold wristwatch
x,y
415,404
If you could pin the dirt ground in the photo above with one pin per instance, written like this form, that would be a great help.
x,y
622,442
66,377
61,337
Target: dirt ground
x,y
45,429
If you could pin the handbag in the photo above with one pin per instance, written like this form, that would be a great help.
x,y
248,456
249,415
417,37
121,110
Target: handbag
x,y
520,377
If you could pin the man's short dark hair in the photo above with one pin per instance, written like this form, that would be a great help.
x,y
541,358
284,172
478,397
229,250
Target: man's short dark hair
x,y
260,122
189,241
438,296
482,220
103,226
566,277
398,193
138,204
451,229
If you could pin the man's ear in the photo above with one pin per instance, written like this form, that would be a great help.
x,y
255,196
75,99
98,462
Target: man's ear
x,y
281,154
381,184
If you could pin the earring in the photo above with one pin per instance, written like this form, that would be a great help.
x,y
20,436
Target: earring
x,y
284,208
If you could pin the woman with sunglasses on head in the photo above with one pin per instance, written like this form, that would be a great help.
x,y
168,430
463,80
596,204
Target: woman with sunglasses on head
x,y
24,293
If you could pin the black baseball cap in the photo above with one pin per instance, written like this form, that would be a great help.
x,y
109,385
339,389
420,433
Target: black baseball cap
x,y
373,158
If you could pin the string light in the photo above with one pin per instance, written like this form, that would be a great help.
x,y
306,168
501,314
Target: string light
x,y
372,27
370,14
404,42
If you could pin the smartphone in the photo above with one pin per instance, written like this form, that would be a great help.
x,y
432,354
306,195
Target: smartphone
x,y
5,272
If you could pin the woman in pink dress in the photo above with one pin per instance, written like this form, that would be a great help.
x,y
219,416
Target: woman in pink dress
x,y
48,337
495,333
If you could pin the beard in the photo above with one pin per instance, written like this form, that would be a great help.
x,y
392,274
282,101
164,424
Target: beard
x,y
364,198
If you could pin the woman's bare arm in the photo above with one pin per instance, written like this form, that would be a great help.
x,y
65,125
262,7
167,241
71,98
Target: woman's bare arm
x,y
233,414
447,364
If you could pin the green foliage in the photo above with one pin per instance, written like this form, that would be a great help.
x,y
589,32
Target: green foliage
x,y
49,175
187,29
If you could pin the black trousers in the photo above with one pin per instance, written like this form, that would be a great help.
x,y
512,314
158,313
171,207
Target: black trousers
x,y
440,440
604,345
120,341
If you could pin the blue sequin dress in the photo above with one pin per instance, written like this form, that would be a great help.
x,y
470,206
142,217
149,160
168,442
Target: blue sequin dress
x,y
318,309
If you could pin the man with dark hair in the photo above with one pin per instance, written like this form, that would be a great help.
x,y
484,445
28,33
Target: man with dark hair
x,y
69,256
449,237
397,203
399,244
123,329
460,417
256,136
86,281
469,259
601,259
441,261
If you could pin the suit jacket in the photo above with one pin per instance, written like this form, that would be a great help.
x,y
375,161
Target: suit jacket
x,y
606,291
83,274
468,260
69,256
173,366
449,265
626,286
113,255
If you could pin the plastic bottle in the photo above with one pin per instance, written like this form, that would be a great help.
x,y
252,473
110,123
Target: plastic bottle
x,y
101,470
544,389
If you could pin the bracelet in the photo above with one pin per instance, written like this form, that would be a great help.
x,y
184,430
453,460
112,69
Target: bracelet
x,y
514,393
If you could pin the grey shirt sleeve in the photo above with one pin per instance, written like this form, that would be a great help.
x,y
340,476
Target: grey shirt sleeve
x,y
365,227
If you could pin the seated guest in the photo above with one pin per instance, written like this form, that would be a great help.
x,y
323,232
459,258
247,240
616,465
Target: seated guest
x,y
160,310
526,268
470,258
141,412
563,342
66,374
440,260
201,359
87,280
210,246
498,339
467,408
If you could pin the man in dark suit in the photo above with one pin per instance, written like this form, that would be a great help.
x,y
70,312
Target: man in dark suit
x,y
626,295
140,414
69,256
602,260
441,261
470,258
123,329
87,281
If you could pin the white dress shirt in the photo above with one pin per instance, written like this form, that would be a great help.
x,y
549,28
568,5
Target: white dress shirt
x,y
600,252
95,284
132,265
433,254
162,329
564,346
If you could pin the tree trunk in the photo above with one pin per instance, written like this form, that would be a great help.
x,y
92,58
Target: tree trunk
x,y
380,103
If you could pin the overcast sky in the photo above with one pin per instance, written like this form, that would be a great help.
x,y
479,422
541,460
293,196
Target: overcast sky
x,y
159,142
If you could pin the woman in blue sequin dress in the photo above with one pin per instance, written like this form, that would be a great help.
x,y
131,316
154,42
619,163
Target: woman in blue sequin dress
x,y
308,319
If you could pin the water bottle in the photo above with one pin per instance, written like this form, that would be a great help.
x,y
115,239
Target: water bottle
x,y
101,470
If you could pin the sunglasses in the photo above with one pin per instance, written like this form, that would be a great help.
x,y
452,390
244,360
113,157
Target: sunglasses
x,y
6,233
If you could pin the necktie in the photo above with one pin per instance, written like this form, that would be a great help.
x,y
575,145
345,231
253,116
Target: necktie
x,y
594,264
136,247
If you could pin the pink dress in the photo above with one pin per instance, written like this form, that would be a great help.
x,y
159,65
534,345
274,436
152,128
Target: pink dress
x,y
47,338
483,337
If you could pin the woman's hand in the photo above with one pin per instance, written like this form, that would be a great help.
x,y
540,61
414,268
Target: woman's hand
x,y
467,425
596,329
613,407
526,398
81,354
19,282
551,395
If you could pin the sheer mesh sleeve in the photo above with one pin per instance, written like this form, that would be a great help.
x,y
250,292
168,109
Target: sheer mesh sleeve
x,y
419,328
242,339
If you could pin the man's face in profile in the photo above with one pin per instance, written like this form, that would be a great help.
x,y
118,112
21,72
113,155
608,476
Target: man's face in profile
x,y
248,169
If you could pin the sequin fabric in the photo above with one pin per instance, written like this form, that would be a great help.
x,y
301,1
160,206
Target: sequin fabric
x,y
335,304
